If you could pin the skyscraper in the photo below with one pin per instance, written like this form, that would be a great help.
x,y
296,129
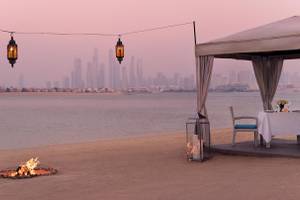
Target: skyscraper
x,y
76,74
232,77
139,73
95,69
101,76
21,81
89,76
132,76
117,76
124,78
110,68
56,84
66,82
244,77
114,72
48,85
175,81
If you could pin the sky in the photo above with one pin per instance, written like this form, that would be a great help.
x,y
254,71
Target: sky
x,y
43,58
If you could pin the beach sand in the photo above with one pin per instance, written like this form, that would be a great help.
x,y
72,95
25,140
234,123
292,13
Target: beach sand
x,y
150,167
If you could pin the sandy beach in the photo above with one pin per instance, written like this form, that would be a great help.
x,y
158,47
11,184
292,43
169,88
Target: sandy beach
x,y
150,167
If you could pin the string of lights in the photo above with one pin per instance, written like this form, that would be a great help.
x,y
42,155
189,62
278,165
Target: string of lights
x,y
12,47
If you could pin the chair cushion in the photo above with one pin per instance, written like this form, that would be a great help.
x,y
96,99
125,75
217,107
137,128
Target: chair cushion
x,y
245,126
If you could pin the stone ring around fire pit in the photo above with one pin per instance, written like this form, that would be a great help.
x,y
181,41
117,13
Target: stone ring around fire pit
x,y
42,171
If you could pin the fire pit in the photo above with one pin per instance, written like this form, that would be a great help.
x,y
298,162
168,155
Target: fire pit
x,y
28,170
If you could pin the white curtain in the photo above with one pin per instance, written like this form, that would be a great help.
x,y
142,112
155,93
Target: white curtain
x,y
203,71
267,72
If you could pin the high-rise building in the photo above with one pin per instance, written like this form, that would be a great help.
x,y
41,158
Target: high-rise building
x,y
232,77
66,82
72,79
110,68
21,81
189,83
175,81
48,85
132,76
117,76
124,78
244,77
294,79
89,76
149,82
284,78
76,74
95,73
218,80
95,69
101,76
114,72
161,80
139,73
56,84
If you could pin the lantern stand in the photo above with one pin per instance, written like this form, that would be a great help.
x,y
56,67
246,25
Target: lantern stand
x,y
12,50
119,50
198,142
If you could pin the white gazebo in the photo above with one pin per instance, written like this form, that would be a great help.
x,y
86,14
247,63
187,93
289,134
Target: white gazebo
x,y
266,47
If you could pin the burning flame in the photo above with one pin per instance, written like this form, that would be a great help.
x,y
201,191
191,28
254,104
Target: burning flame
x,y
32,164
27,169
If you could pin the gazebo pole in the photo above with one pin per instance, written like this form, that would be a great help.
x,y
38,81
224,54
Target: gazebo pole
x,y
195,37
197,70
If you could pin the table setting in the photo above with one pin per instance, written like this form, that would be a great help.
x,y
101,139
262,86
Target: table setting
x,y
278,122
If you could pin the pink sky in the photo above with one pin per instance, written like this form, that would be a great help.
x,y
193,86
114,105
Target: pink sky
x,y
45,58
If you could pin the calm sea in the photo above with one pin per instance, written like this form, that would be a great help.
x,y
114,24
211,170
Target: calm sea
x,y
32,120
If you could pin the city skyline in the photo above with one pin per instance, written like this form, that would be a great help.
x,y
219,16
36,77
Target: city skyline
x,y
110,74
97,73
107,68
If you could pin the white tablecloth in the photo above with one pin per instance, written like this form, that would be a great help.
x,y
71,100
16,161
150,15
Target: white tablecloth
x,y
278,123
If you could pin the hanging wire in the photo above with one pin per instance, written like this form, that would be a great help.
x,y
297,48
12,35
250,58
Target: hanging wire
x,y
94,34
58,33
6,31
156,28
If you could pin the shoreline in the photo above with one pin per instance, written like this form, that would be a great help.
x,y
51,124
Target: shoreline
x,y
103,139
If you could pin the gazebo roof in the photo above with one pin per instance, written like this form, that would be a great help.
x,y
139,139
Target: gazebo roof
x,y
278,38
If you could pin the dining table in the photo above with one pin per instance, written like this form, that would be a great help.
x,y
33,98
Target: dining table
x,y
271,124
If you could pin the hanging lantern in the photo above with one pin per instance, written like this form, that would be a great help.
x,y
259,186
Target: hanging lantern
x,y
12,51
120,50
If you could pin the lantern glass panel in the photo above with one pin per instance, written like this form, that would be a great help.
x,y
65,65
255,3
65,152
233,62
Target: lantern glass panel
x,y
197,139
120,51
12,52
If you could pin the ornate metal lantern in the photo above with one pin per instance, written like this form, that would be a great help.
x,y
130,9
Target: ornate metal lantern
x,y
12,51
120,50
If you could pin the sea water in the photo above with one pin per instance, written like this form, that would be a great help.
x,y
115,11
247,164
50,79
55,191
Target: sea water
x,y
28,120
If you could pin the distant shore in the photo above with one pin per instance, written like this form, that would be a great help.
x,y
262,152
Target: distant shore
x,y
57,93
